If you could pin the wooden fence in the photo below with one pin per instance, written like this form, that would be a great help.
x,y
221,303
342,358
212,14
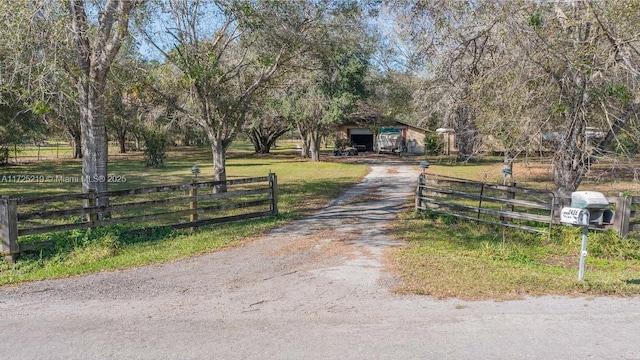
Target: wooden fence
x,y
177,206
512,206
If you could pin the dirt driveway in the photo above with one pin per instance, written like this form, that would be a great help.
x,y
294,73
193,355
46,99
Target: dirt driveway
x,y
316,289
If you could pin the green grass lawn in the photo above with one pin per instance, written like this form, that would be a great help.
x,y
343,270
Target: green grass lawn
x,y
303,186
445,257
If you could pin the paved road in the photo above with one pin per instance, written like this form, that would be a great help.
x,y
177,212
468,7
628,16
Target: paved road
x,y
316,289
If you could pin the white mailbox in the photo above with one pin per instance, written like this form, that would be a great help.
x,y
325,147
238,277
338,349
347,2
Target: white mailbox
x,y
595,203
592,200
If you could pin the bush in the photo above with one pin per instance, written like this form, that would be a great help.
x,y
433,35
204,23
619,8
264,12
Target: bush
x,y
4,155
155,147
433,145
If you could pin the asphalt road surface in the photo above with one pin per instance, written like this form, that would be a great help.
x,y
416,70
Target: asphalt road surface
x,y
316,289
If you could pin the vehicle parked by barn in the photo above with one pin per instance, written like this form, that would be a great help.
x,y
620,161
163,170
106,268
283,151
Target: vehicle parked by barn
x,y
389,140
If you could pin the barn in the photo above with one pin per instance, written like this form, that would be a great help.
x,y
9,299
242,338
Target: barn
x,y
364,136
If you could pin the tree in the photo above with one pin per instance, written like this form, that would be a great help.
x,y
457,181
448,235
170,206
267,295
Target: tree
x,y
456,39
125,96
266,122
20,73
17,123
589,50
515,69
97,47
327,89
225,60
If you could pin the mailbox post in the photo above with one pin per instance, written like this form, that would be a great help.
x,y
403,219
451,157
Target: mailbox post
x,y
578,217
587,208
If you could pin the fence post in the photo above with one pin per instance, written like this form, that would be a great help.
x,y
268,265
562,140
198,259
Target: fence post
x,y
622,214
273,184
511,195
9,228
91,203
193,204
419,192
480,199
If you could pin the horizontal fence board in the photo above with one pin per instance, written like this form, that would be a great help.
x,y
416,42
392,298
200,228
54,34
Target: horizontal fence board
x,y
231,206
183,199
50,198
53,228
231,194
36,246
99,209
51,213
146,190
485,211
523,227
469,196
137,191
140,218
221,220
442,179
242,181
136,205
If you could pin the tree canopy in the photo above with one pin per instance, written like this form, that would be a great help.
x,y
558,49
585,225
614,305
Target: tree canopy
x,y
504,75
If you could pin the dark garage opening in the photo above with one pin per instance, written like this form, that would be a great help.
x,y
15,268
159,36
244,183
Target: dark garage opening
x,y
362,140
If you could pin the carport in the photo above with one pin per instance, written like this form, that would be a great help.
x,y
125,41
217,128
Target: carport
x,y
363,138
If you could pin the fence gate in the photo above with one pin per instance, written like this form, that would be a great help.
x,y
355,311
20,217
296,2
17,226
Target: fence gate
x,y
511,206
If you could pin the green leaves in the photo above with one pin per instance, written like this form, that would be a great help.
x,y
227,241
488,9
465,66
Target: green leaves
x,y
616,91
535,20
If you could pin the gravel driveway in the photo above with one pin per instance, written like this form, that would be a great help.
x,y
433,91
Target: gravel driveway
x,y
316,289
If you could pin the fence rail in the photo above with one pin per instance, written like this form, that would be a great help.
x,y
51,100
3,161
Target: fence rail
x,y
178,206
512,206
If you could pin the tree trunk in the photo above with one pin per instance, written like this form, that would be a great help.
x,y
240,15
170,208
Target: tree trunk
x,y
219,153
569,163
264,138
314,145
507,169
186,137
260,141
76,142
94,139
465,132
96,52
122,142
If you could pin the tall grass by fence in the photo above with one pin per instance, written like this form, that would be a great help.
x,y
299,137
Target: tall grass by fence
x,y
177,206
512,206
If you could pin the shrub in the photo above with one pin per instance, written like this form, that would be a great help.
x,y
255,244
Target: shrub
x,y
432,144
155,147
4,155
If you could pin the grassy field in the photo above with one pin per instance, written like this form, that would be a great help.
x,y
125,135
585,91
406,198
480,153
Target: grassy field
x,y
303,187
446,257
